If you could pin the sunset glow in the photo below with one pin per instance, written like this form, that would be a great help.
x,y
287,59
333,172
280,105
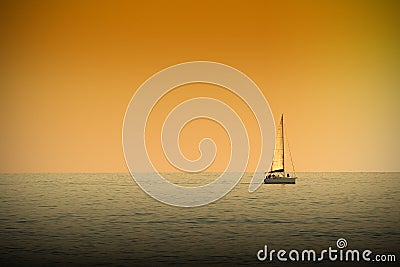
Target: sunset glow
x,y
70,68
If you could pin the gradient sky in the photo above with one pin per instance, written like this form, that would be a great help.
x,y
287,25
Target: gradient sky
x,y
70,68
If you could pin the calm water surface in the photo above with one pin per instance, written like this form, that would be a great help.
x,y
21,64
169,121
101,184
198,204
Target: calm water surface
x,y
105,219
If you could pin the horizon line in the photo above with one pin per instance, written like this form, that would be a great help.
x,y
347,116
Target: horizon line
x,y
105,172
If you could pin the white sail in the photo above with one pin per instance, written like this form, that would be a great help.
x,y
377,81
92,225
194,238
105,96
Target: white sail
x,y
277,174
278,165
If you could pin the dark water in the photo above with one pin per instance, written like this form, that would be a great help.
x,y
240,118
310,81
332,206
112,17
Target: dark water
x,y
105,219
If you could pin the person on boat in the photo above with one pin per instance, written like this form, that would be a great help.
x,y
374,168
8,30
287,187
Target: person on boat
x,y
288,175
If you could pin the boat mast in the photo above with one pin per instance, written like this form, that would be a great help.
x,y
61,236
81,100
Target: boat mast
x,y
283,146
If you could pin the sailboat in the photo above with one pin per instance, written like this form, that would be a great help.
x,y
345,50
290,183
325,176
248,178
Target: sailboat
x,y
277,173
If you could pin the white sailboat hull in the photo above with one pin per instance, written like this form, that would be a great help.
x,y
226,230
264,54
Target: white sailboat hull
x,y
279,180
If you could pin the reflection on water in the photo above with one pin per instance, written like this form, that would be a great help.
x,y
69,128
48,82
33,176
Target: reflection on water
x,y
105,219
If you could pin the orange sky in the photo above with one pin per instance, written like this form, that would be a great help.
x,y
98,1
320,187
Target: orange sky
x,y
69,69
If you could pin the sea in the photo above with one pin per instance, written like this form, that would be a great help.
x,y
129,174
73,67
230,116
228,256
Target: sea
x,y
105,219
